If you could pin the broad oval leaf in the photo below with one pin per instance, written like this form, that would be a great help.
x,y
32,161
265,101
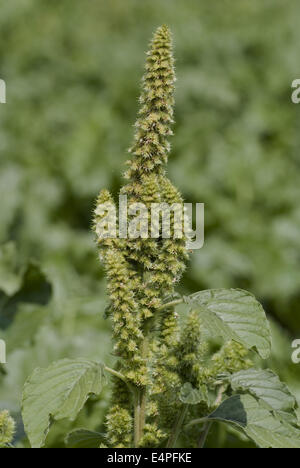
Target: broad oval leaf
x,y
258,422
192,396
83,438
234,314
59,391
264,384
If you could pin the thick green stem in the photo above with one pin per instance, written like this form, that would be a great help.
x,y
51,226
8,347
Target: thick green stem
x,y
204,434
139,401
208,424
177,427
143,391
137,418
143,401
171,304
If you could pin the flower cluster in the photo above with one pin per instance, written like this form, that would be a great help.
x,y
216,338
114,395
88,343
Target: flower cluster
x,y
7,428
119,419
231,358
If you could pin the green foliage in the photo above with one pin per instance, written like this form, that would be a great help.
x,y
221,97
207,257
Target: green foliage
x,y
71,98
27,284
234,315
266,386
191,396
258,422
159,380
82,438
59,392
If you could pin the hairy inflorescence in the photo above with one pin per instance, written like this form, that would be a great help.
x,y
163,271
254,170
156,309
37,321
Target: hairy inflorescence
x,y
154,357
141,272
7,428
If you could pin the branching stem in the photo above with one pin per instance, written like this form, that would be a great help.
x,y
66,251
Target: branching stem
x,y
171,304
116,374
205,420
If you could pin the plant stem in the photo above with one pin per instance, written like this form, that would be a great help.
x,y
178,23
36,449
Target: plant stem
x,y
143,401
195,421
204,434
137,416
171,304
141,394
116,374
177,427
208,424
143,391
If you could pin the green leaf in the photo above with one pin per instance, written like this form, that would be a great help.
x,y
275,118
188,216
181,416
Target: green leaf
x,y
265,385
59,391
231,410
234,314
83,438
34,288
258,422
23,330
192,396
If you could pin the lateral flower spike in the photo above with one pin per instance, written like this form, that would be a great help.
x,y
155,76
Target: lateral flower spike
x,y
7,428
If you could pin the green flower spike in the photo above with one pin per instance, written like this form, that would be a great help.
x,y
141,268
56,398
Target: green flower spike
x,y
142,271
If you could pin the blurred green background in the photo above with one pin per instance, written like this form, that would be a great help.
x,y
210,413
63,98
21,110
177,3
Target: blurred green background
x,y
72,70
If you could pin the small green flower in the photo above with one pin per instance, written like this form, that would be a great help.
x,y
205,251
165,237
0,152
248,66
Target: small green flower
x,y
119,427
7,428
231,358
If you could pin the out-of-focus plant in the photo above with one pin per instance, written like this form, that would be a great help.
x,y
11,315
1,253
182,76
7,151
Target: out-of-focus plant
x,y
7,429
169,383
